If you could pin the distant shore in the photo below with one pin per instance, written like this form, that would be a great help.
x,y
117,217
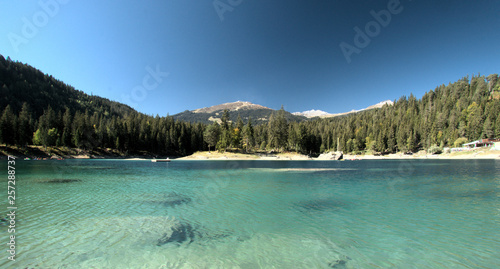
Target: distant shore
x,y
473,154
214,155
39,152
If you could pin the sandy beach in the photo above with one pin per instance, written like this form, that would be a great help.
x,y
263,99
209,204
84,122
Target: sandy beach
x,y
473,154
214,155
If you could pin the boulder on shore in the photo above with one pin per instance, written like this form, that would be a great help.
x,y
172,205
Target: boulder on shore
x,y
333,155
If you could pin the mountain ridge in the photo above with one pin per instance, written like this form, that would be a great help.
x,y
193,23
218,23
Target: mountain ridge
x,y
323,114
232,106
258,113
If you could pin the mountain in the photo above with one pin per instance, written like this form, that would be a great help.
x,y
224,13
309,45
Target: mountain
x,y
322,114
235,106
37,109
379,105
258,113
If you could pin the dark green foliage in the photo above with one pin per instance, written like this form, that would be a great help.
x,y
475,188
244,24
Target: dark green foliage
x,y
238,133
260,116
24,129
36,108
8,127
249,135
278,130
21,83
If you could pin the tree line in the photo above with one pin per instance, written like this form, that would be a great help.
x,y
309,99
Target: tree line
x,y
134,133
447,116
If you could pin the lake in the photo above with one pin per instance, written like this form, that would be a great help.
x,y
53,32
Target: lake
x,y
255,214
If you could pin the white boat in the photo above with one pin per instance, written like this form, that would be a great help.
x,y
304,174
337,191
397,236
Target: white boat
x,y
161,160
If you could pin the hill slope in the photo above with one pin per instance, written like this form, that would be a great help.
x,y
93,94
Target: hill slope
x,y
37,109
465,110
258,113
21,83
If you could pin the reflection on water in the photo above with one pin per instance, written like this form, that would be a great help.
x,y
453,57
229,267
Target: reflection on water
x,y
256,214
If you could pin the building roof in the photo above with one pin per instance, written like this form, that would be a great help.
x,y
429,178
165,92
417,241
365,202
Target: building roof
x,y
481,141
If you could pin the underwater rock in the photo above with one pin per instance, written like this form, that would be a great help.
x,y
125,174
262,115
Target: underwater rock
x,y
174,202
173,199
322,204
338,264
180,233
184,232
62,180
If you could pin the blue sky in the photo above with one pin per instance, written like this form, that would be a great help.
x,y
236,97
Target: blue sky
x,y
164,57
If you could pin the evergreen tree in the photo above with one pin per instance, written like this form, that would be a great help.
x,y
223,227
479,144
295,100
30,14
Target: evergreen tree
x,y
25,133
238,133
497,128
7,127
278,130
66,133
78,130
37,107
488,129
211,134
474,121
249,135
391,141
225,138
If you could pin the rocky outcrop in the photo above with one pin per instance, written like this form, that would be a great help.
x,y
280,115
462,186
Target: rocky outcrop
x,y
333,155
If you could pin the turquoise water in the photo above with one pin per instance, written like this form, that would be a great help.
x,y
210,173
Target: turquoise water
x,y
255,214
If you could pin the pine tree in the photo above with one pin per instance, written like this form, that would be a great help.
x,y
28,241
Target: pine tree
x,y
66,133
391,140
7,127
488,131
238,133
225,138
25,133
78,130
497,128
211,134
474,121
278,130
249,135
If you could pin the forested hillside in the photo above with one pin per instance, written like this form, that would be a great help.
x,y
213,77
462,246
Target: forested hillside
x,y
38,109
466,109
259,116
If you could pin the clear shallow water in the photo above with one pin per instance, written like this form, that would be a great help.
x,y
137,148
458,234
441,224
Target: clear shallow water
x,y
256,214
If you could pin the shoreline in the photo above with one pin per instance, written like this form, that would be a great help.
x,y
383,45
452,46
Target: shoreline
x,y
38,152
471,155
58,153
